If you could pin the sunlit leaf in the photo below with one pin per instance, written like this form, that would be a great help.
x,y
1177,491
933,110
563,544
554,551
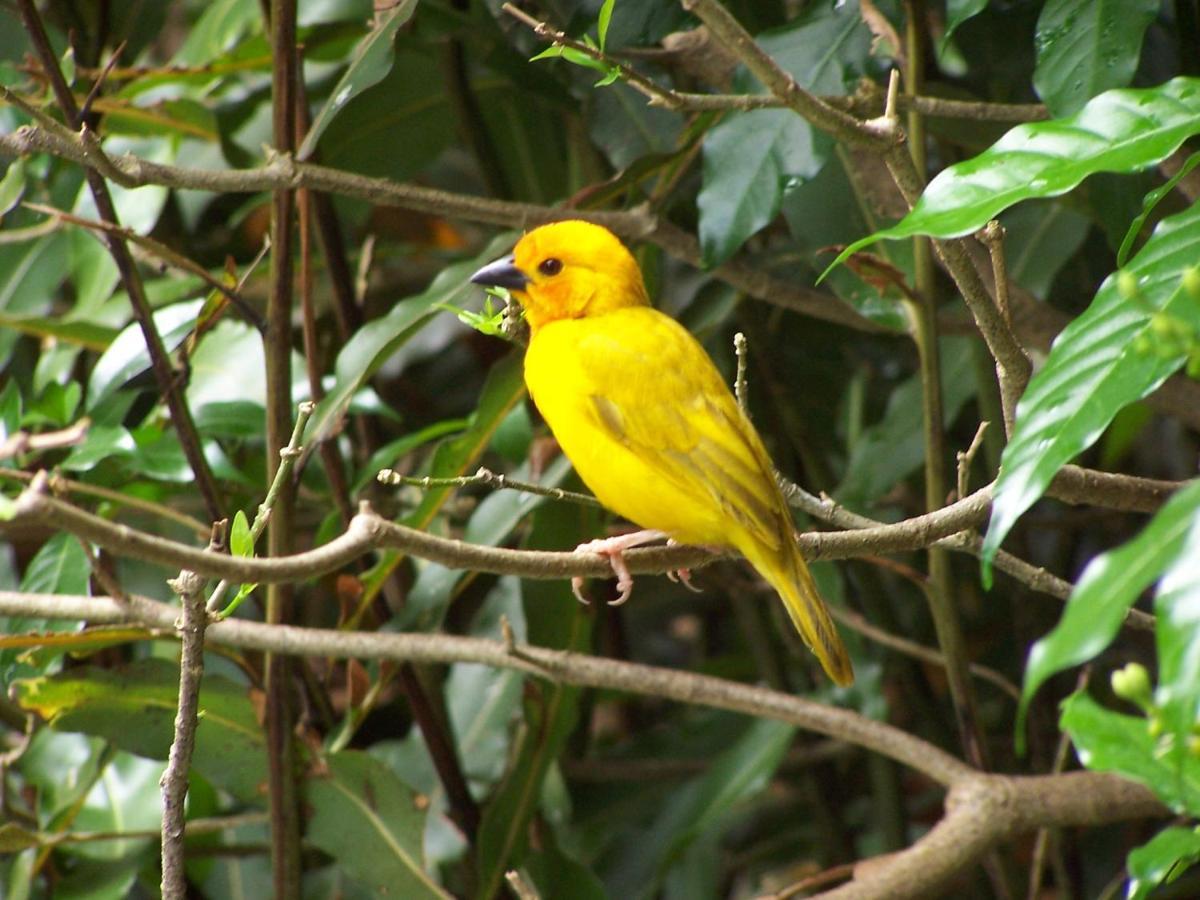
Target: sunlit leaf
x,y
1109,585
1163,858
1119,131
1106,741
1108,357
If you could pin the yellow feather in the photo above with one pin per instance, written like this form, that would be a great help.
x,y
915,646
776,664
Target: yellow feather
x,y
644,416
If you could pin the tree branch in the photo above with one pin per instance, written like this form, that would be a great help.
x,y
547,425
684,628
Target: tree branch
x,y
981,810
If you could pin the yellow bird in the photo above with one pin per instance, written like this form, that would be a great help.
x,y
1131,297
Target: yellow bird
x,y
642,413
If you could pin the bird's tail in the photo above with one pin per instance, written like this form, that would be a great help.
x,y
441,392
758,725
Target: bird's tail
x,y
788,573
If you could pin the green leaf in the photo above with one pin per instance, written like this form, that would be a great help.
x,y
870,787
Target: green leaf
x,y
846,212
748,158
367,819
606,11
1108,587
752,158
492,522
127,357
696,812
1085,47
1119,131
59,567
1106,741
1163,858
12,186
959,11
505,386
134,708
1042,236
370,63
240,542
1149,202
1107,358
222,24
1177,608
411,100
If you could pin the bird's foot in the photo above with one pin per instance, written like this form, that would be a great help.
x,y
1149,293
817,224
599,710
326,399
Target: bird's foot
x,y
613,548
682,576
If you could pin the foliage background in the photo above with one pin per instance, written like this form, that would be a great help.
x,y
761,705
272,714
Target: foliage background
x,y
594,793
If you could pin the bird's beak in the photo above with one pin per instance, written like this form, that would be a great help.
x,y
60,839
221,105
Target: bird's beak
x,y
501,273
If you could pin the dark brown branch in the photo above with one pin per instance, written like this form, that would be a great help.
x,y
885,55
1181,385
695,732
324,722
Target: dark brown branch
x,y
282,788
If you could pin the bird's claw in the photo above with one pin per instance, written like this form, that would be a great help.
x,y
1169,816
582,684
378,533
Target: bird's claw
x,y
684,577
613,549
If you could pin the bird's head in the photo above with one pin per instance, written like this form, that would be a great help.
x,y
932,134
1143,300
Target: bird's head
x,y
567,270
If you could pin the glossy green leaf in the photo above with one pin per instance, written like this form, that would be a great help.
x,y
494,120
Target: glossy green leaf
x,y
1085,47
1106,741
1109,585
1149,202
134,708
752,158
368,820
370,63
1177,608
1108,357
1161,859
1119,131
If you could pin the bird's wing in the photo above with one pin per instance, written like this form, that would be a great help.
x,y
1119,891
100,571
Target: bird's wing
x,y
657,393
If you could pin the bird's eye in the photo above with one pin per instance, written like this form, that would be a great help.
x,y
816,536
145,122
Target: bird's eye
x,y
550,266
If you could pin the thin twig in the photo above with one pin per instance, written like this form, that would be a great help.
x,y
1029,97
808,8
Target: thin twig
x,y
174,781
739,381
23,442
486,477
66,485
520,886
262,516
729,32
658,95
966,457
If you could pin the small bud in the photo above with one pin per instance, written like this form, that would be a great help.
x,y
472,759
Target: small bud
x,y
1193,365
1132,683
1127,284
1191,282
1162,325
1194,745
